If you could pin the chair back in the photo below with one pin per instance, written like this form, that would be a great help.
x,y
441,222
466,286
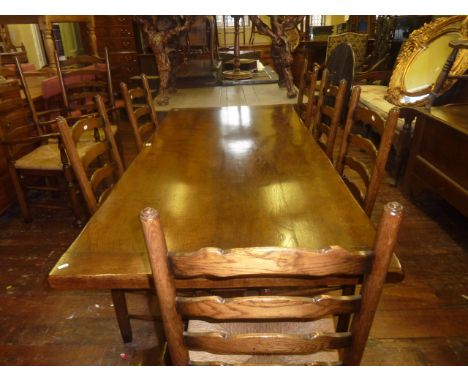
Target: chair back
x,y
101,166
81,78
371,176
141,112
302,84
341,64
358,42
327,117
268,262
311,107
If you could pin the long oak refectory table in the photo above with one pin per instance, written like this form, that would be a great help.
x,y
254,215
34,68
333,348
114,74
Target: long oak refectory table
x,y
227,177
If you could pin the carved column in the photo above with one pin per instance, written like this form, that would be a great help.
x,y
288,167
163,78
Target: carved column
x,y
92,37
46,29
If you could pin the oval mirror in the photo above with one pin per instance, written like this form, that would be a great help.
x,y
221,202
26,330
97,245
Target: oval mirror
x,y
422,58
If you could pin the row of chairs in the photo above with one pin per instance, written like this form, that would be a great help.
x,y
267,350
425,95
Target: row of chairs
x,y
77,152
329,109
39,156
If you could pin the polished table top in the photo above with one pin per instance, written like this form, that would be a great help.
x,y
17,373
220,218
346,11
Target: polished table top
x,y
229,177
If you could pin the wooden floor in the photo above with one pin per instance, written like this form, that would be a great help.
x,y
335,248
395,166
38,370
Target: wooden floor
x,y
421,321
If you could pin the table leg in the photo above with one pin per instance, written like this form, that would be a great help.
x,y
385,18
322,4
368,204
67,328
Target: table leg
x,y
121,312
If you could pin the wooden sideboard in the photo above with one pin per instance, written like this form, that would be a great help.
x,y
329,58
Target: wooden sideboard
x,y
439,154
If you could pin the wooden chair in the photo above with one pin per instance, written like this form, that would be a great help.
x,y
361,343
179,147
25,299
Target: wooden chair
x,y
445,72
44,120
358,42
273,329
141,112
328,113
302,89
97,173
312,95
98,170
378,157
81,78
36,161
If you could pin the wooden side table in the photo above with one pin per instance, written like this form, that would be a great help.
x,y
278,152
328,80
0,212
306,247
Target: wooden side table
x,y
439,154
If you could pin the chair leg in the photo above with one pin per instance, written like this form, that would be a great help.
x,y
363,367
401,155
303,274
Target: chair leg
x,y
121,312
402,150
71,188
343,319
116,119
19,193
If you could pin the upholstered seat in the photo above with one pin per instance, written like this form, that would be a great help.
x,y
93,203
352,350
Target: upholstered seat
x,y
373,98
47,157
324,325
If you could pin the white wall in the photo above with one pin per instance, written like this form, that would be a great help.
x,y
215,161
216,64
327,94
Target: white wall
x,y
30,36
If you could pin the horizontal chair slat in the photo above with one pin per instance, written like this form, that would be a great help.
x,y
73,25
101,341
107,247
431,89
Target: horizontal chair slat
x,y
85,124
369,117
92,153
364,144
354,190
100,175
215,363
83,72
82,59
136,93
80,95
269,307
269,260
145,128
141,111
328,111
359,167
266,343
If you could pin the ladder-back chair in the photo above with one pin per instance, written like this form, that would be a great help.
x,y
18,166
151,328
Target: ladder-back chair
x,y
97,173
311,106
81,78
302,89
371,178
328,113
36,161
43,119
141,112
268,329
100,168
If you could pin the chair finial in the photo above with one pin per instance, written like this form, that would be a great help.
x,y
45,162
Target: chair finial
x,y
148,213
394,208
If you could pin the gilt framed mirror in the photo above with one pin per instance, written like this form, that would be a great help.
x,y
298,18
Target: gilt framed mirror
x,y
422,58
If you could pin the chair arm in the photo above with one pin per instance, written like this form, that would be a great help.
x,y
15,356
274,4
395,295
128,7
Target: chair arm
x,y
45,112
37,138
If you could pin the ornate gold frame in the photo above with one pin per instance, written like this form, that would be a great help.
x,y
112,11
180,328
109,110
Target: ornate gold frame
x,y
418,41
